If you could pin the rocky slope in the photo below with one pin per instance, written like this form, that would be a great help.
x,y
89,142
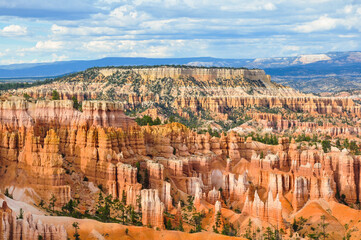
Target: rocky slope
x,y
160,82
194,96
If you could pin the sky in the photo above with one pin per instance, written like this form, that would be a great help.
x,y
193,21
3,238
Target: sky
x,y
58,30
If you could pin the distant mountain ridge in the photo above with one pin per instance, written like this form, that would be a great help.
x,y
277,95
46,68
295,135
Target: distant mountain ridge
x,y
340,59
64,67
302,72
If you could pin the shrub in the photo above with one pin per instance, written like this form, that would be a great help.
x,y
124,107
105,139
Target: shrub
x,y
8,194
21,214
76,104
237,210
76,235
52,202
55,95
147,120
26,96
326,145
42,203
168,225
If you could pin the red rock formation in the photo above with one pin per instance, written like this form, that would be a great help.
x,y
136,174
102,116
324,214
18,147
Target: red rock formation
x,y
101,143
300,192
269,211
98,149
197,197
279,183
165,196
175,167
178,216
270,162
234,146
38,135
279,123
217,207
238,188
156,170
213,196
152,208
126,176
194,185
44,166
12,228
347,181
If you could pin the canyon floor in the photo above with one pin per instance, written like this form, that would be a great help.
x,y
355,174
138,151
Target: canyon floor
x,y
177,152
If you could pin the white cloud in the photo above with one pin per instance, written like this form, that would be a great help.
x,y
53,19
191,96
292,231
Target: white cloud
x,y
347,35
179,25
38,9
56,29
11,61
323,23
143,48
224,5
348,9
234,6
100,46
111,1
48,45
291,48
358,10
83,31
219,28
56,57
127,15
269,6
14,31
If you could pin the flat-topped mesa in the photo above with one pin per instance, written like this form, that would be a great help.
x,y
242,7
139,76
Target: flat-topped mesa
x,y
218,90
153,84
201,74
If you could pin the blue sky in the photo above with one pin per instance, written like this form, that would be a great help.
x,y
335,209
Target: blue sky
x,y
43,31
